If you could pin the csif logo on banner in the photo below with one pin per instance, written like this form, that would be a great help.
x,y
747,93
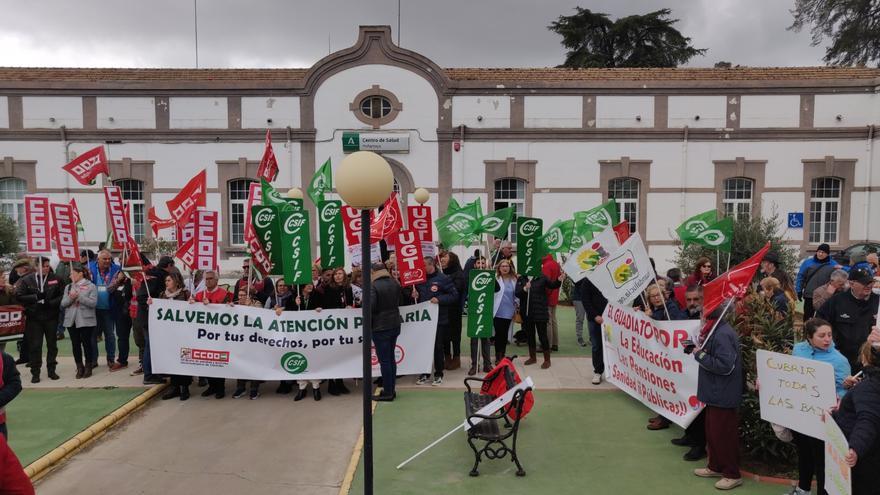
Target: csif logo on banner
x,y
480,303
294,363
460,222
554,239
329,212
294,222
264,218
712,237
529,228
491,223
599,218
694,227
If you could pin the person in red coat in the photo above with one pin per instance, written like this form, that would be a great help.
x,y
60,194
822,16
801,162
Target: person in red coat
x,y
13,479
552,271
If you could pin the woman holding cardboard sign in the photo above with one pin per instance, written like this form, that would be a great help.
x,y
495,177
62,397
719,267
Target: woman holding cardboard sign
x,y
817,345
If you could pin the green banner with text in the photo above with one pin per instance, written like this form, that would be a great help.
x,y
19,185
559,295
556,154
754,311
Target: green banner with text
x,y
332,238
481,302
296,247
529,232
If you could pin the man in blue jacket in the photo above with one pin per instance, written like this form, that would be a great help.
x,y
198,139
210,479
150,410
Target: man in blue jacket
x,y
809,269
720,386
438,289
104,271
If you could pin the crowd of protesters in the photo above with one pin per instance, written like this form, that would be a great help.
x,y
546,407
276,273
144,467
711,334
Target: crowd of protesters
x,y
94,301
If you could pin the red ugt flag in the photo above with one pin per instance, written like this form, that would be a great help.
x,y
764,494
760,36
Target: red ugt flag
x,y
388,223
191,196
88,165
732,283
268,164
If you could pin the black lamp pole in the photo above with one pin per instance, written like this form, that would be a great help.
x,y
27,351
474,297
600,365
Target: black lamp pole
x,y
366,302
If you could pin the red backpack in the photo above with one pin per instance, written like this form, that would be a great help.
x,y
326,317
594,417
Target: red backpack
x,y
496,385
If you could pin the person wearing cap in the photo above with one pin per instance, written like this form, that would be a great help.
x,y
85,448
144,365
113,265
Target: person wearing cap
x,y
771,267
852,314
809,269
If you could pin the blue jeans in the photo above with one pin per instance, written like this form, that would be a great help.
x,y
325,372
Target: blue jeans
x,y
106,327
596,344
385,342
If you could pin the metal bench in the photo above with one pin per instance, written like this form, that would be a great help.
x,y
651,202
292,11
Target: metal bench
x,y
496,441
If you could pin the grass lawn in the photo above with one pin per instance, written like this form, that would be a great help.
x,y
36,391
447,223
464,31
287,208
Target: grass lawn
x,y
568,345
40,420
571,443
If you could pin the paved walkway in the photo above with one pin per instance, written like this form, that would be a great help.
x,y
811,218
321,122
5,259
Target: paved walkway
x,y
101,377
268,446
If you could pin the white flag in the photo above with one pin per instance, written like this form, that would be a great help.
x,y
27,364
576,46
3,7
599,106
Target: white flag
x,y
626,272
591,254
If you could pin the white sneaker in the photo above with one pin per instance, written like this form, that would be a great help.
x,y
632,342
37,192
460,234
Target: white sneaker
x,y
597,378
423,379
437,381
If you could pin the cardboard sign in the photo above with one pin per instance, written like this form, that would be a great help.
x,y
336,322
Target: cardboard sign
x,y
838,474
795,392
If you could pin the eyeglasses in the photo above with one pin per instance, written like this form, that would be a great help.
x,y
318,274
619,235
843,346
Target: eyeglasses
x,y
706,266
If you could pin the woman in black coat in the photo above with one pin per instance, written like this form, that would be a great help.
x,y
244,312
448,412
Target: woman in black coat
x,y
859,419
452,347
532,294
336,294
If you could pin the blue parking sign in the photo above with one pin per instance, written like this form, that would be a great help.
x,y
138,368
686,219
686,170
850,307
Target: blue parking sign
x,y
796,220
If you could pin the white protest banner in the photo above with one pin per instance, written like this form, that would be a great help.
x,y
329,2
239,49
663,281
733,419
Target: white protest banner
x,y
205,240
645,358
224,341
626,272
355,253
795,392
36,214
838,476
590,255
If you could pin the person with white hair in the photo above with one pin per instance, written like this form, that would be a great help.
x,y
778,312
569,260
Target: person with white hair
x,y
837,283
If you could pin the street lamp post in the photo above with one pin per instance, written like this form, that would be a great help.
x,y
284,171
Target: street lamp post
x,y
364,180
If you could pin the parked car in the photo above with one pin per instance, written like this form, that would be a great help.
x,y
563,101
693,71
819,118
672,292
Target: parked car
x,y
845,255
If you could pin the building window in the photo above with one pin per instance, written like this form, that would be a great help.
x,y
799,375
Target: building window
x,y
824,210
12,193
133,192
625,192
375,107
511,192
737,200
238,199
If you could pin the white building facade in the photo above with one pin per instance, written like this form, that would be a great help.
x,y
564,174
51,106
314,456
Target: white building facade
x,y
664,143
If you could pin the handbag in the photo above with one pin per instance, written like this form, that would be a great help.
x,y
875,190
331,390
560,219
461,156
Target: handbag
x,y
517,318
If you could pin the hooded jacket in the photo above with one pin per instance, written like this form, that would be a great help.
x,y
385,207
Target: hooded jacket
x,y
831,356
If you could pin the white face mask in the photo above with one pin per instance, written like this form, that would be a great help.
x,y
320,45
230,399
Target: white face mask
x,y
876,290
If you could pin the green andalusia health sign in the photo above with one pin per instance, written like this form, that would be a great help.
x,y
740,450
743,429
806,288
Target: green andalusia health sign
x,y
264,218
332,239
528,240
481,302
296,247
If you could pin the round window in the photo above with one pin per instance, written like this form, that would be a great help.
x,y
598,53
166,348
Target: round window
x,y
375,107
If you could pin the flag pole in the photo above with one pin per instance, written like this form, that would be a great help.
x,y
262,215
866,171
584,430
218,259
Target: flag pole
x,y
720,317
435,442
728,262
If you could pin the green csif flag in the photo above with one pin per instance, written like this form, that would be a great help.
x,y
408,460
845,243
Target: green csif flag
x,y
460,226
718,236
271,196
296,247
597,219
497,223
691,228
481,301
322,183
264,218
332,240
558,237
452,206
528,240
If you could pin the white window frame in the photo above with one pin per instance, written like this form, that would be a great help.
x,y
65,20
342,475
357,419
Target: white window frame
x,y
237,203
626,206
14,201
738,208
821,208
518,201
137,217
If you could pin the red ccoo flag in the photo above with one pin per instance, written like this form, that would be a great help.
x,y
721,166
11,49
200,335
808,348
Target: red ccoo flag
x,y
733,282
268,164
191,196
88,165
156,223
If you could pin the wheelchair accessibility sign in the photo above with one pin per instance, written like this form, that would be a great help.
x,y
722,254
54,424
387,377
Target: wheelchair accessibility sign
x,y
796,220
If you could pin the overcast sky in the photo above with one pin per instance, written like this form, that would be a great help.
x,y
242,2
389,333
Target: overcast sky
x,y
296,33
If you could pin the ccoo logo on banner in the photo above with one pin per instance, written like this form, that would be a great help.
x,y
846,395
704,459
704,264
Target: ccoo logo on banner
x,y
36,214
